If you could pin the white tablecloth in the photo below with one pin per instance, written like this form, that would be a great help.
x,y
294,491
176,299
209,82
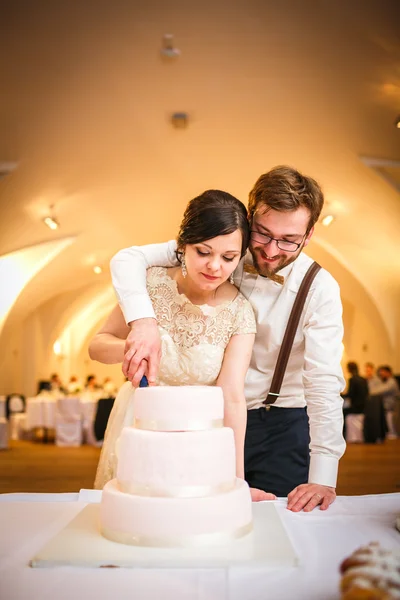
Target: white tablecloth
x,y
321,539
41,412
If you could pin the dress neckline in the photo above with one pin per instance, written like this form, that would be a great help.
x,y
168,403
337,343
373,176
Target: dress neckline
x,y
207,309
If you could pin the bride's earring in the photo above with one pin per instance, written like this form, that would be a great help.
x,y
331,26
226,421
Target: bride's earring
x,y
183,266
231,280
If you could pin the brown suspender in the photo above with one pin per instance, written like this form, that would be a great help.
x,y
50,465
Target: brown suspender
x,y
290,332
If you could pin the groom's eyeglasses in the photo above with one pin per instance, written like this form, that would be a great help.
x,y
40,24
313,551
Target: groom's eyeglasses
x,y
263,238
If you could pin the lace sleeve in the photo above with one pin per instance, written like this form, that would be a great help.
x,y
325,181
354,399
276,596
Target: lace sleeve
x,y
245,321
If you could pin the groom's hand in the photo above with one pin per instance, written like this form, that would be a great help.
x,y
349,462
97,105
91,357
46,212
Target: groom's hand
x,y
142,352
260,495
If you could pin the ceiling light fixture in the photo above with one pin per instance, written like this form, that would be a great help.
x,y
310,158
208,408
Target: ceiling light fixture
x,y
168,49
327,220
50,220
97,270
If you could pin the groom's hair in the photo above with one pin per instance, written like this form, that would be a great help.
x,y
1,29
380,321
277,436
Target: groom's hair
x,y
285,189
211,214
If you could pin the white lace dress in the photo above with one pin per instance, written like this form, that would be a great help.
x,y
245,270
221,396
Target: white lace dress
x,y
193,341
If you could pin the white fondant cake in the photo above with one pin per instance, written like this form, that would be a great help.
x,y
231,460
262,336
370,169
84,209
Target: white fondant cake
x,y
189,463
176,483
183,408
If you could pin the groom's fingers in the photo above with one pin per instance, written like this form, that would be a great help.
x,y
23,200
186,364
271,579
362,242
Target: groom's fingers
x,y
260,496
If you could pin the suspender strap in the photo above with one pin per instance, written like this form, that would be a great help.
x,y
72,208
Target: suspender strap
x,y
290,332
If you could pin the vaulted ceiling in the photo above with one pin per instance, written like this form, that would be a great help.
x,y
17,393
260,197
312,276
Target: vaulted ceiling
x,y
85,104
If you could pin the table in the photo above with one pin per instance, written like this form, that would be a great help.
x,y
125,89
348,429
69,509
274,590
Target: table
x,y
41,412
321,538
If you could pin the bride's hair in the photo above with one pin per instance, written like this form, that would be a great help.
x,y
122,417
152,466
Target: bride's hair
x,y
211,214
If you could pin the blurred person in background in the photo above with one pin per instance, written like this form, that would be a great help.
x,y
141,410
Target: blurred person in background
x,y
372,379
356,395
388,388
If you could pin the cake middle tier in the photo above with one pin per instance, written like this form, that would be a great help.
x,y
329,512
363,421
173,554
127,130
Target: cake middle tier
x,y
178,464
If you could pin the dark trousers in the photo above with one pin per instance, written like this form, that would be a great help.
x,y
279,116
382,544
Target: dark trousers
x,y
276,450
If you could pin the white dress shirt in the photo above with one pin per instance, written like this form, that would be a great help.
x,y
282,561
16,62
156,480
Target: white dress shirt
x,y
313,375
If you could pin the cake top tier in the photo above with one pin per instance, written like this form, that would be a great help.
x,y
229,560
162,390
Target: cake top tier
x,y
183,408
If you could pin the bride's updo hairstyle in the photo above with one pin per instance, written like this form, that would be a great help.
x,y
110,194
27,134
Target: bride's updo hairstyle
x,y
209,215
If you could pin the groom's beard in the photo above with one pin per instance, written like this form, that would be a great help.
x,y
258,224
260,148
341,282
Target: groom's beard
x,y
266,270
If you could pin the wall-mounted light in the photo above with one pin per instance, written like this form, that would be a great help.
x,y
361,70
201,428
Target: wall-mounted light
x,y
50,220
97,270
57,348
327,220
397,122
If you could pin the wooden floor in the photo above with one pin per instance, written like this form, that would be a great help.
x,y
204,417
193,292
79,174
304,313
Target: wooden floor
x,y
37,467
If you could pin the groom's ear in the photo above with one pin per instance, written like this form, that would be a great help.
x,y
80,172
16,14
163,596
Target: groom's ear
x,y
309,236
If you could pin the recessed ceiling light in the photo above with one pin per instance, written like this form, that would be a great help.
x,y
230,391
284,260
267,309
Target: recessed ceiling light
x,y
97,270
327,220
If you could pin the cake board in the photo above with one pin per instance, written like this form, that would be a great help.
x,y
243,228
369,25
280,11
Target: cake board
x,y
80,544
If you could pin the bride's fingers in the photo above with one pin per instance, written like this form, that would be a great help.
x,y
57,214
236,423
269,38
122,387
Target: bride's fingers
x,y
140,371
152,368
127,362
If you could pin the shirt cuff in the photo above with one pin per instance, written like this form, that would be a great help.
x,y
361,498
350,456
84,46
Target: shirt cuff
x,y
137,307
323,470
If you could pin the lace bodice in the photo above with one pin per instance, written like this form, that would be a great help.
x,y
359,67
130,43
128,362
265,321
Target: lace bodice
x,y
193,337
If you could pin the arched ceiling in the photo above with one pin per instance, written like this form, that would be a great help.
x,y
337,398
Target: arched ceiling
x,y
85,106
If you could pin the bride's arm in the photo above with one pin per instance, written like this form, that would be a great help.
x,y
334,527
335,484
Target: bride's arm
x,y
231,379
108,345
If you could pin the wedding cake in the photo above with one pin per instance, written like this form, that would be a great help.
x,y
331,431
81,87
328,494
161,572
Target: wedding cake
x,y
176,483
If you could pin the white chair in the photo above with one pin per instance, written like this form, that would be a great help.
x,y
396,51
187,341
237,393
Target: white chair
x,y
354,428
89,409
3,433
16,404
18,426
391,425
2,406
68,422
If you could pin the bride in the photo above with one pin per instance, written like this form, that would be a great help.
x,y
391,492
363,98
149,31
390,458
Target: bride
x,y
206,325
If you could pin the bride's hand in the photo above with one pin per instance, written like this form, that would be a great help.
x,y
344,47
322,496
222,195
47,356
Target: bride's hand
x,y
142,352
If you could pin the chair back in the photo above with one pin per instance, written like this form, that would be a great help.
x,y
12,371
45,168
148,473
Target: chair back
x,y
15,403
104,407
69,409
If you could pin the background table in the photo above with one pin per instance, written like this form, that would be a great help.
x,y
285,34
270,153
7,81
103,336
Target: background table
x,y
321,539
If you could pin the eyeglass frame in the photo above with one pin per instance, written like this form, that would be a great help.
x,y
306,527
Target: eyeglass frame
x,y
272,239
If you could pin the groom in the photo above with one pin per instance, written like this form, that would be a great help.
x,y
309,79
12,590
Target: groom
x,y
292,447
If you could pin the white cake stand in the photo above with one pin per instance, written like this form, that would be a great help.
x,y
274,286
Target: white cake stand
x,y
81,544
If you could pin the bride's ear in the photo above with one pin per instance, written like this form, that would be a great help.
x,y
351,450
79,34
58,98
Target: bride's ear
x,y
180,251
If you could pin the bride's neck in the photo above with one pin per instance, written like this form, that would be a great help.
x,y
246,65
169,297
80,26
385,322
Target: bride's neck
x,y
190,290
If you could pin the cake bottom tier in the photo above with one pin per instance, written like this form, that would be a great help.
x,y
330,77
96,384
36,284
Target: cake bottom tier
x,y
175,522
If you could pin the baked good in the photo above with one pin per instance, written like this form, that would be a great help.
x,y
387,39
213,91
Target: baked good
x,y
371,573
176,482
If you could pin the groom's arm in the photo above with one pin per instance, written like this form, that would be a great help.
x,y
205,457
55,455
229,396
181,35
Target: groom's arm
x,y
128,271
